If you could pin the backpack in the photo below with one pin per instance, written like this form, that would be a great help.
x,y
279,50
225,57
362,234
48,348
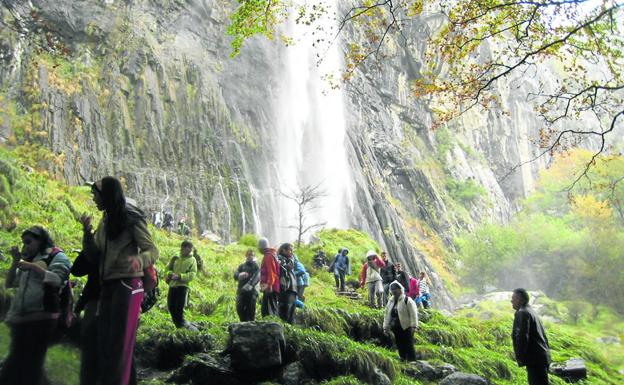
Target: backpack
x,y
65,296
150,287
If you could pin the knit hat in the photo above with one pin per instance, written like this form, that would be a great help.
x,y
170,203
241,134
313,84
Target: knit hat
x,y
263,243
370,253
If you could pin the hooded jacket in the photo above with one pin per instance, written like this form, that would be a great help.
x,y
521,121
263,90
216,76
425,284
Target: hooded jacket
x,y
407,309
32,301
115,256
270,270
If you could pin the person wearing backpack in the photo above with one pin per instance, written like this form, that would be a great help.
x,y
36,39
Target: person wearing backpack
x,y
180,272
122,248
38,272
401,317
288,282
248,277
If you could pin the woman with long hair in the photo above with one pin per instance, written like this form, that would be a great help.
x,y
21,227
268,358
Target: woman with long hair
x,y
38,272
122,247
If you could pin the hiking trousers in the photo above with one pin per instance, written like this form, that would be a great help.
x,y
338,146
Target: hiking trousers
x,y
246,305
269,304
287,305
537,374
27,351
176,302
118,318
404,339
89,344
375,291
339,277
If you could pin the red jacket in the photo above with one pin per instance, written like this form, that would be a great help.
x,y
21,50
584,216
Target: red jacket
x,y
414,289
378,261
270,271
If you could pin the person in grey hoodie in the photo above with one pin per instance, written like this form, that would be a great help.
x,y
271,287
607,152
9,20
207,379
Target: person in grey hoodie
x,y
38,272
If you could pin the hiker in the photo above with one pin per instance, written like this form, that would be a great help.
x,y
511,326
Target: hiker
x,y
423,287
122,247
288,282
168,221
183,228
38,272
303,279
402,276
341,267
248,277
370,274
414,290
319,260
269,278
180,272
388,275
529,339
401,317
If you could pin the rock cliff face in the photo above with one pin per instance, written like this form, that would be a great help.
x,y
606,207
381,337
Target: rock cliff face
x,y
146,90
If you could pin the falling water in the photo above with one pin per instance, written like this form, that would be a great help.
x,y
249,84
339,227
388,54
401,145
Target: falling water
x,y
311,129
242,207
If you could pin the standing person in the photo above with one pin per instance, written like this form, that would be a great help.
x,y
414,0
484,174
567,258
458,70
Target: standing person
x,y
401,317
38,272
269,278
288,282
370,275
248,277
341,267
414,290
180,272
529,339
402,276
303,279
423,287
122,247
388,275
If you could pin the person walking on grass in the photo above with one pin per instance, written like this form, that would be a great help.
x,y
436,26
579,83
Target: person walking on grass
x,y
288,282
401,317
341,267
248,277
370,275
181,270
38,272
388,275
529,339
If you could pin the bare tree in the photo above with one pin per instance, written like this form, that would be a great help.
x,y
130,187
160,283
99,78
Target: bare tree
x,y
307,199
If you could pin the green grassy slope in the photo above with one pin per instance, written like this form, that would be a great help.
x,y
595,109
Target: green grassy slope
x,y
338,338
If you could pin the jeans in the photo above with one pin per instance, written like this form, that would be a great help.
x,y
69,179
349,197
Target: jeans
x,y
287,305
246,305
269,304
339,276
375,290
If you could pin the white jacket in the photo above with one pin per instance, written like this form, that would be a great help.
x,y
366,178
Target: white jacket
x,y
408,312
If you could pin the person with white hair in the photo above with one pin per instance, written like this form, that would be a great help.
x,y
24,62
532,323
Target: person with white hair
x,y
401,317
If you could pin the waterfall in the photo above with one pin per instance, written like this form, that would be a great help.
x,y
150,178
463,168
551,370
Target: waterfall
x,y
311,129
242,207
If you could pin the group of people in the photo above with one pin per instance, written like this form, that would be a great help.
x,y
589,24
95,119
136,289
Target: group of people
x,y
376,274
114,257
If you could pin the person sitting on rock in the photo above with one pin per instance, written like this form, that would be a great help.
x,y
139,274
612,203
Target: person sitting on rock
x,y
370,275
248,277
341,267
269,278
180,272
401,317
38,272
288,282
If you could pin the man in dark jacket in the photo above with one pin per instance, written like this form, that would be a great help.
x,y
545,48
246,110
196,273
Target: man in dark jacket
x,y
529,339
388,275
248,277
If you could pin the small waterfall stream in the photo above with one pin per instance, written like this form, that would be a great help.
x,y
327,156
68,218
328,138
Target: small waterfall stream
x,y
311,131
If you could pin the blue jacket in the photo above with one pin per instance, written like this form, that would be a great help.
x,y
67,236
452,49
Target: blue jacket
x,y
303,278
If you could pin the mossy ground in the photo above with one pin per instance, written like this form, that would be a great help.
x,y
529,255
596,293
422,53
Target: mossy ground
x,y
342,336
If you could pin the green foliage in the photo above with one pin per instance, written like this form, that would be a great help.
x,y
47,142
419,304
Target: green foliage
x,y
465,192
250,240
254,17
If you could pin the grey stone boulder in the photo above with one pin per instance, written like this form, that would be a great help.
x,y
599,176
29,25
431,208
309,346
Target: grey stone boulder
x,y
293,374
427,371
206,370
255,346
379,378
459,378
